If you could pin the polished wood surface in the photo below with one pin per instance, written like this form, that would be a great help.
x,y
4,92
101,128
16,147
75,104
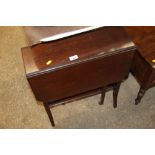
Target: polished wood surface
x,y
104,57
97,43
104,60
80,78
143,67
144,38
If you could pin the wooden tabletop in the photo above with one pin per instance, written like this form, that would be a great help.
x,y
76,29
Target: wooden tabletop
x,y
53,55
144,38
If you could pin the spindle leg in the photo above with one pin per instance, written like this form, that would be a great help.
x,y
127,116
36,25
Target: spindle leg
x,y
102,96
49,113
115,93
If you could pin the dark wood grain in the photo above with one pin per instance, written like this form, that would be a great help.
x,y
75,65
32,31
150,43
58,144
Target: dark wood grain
x,y
144,38
143,68
104,41
82,77
104,59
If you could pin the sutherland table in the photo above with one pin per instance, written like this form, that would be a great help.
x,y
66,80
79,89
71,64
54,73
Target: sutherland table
x,y
79,66
143,67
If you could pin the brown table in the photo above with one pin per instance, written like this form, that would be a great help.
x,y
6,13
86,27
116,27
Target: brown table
x,y
101,60
143,66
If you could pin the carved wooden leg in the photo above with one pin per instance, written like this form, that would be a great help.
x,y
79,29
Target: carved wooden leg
x,y
102,96
47,108
115,93
140,95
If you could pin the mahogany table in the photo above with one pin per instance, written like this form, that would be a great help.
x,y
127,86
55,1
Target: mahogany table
x,y
79,66
143,66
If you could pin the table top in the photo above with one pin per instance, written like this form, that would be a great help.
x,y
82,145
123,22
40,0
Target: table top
x,y
54,55
144,38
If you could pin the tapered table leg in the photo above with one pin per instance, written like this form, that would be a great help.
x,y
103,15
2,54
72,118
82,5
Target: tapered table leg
x,y
102,96
139,96
47,108
115,93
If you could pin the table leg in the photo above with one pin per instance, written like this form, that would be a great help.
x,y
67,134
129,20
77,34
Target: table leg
x,y
115,93
102,96
47,108
140,95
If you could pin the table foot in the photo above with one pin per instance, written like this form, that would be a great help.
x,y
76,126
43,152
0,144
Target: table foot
x,y
49,113
139,96
115,93
102,96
